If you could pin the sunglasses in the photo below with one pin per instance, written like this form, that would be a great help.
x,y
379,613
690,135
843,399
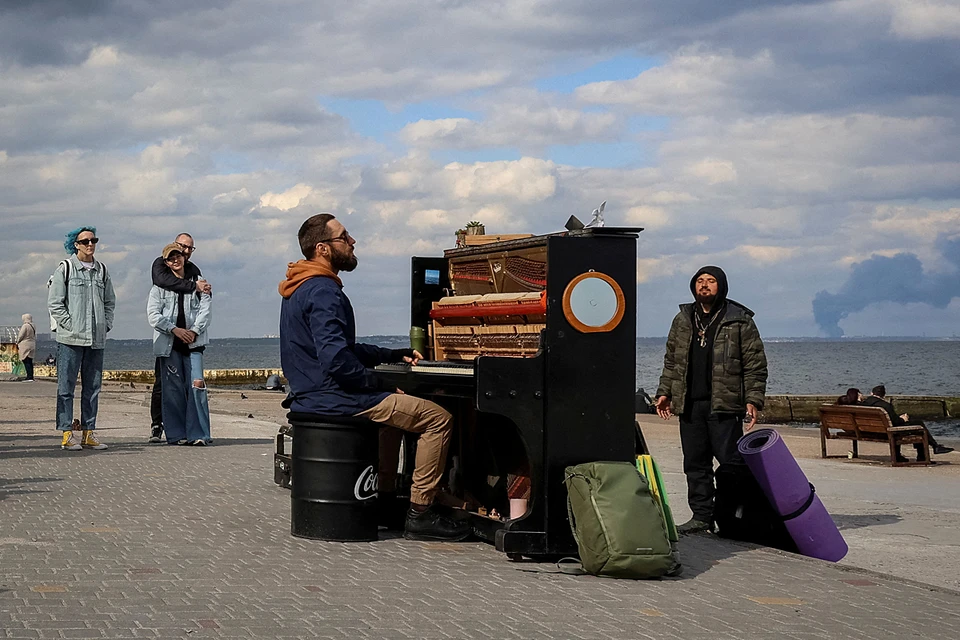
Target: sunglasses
x,y
173,256
87,241
187,247
343,237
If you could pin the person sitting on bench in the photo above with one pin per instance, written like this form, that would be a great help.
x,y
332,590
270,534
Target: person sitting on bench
x,y
851,397
327,371
878,399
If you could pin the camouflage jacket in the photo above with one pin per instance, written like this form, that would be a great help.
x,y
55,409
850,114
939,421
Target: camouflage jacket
x,y
739,373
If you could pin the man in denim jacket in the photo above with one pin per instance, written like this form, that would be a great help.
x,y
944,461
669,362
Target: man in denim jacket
x,y
81,302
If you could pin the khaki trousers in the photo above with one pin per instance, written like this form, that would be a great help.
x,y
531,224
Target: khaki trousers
x,y
434,423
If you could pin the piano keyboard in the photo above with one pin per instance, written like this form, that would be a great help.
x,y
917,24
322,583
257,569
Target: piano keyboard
x,y
429,366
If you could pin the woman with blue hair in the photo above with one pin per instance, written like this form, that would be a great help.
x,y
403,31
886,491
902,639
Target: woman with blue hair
x,y
81,303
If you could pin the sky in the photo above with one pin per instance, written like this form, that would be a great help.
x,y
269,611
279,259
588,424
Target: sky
x,y
810,149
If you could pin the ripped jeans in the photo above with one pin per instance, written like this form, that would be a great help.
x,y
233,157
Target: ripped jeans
x,y
186,412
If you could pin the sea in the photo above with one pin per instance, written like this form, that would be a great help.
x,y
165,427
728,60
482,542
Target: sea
x,y
795,365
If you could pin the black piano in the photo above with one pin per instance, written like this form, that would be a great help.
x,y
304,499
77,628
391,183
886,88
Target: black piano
x,y
567,398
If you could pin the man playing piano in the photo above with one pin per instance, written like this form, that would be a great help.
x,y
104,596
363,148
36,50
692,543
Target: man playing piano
x,y
329,371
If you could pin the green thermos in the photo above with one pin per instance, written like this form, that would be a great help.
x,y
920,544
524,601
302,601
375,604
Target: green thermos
x,y
418,340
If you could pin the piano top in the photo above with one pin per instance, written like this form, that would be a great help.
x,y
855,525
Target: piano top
x,y
538,241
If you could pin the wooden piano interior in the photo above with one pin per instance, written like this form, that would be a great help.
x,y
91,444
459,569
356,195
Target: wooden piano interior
x,y
548,325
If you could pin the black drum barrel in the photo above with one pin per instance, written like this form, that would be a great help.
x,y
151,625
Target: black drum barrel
x,y
334,479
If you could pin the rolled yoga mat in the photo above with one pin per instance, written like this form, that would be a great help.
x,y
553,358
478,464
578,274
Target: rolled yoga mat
x,y
791,495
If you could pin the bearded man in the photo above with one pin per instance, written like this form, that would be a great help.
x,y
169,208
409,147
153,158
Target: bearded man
x,y
329,373
714,375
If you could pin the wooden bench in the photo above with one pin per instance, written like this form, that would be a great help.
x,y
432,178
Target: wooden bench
x,y
851,422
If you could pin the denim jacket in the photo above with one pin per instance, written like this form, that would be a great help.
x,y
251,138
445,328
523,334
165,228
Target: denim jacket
x,y
83,310
162,315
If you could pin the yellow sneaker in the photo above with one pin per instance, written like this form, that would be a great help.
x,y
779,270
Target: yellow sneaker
x,y
90,441
70,442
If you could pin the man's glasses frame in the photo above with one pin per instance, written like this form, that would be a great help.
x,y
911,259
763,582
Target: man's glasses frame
x,y
187,247
343,237
87,241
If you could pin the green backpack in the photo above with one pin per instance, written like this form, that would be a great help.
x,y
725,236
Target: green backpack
x,y
617,523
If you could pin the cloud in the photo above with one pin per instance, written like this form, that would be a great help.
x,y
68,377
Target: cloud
x,y
925,19
525,180
900,279
785,140
287,200
516,124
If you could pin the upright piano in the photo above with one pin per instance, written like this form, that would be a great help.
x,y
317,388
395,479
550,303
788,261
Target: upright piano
x,y
531,344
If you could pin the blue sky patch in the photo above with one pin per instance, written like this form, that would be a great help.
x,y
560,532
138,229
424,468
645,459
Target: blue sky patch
x,y
623,67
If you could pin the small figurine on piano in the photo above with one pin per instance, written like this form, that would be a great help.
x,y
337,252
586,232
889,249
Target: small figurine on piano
x,y
329,373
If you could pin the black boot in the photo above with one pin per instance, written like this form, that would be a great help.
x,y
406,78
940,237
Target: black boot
x,y
430,525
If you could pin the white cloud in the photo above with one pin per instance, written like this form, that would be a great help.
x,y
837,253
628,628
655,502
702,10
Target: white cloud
x,y
926,19
713,171
513,122
103,57
767,254
525,180
692,82
287,200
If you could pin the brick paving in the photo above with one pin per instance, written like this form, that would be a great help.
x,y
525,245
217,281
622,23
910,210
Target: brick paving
x,y
152,541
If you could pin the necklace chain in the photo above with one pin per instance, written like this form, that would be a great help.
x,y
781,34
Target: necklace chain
x,y
702,328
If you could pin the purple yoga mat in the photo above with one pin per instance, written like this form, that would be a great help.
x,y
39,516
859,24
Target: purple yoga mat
x,y
788,491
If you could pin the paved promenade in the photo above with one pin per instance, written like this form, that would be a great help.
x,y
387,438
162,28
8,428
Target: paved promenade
x,y
152,541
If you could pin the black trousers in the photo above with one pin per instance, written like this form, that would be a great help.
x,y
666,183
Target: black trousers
x,y
921,453
703,437
28,365
156,402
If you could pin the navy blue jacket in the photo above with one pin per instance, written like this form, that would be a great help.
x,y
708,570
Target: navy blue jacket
x,y
326,368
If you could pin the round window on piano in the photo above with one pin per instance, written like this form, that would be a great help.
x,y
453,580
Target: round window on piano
x,y
593,302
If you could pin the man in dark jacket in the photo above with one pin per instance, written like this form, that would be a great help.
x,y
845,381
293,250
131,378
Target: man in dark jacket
x,y
192,282
714,375
328,372
878,398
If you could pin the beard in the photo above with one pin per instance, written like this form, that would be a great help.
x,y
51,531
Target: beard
x,y
706,298
343,260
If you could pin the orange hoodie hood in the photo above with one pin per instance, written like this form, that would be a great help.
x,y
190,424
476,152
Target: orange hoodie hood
x,y
302,270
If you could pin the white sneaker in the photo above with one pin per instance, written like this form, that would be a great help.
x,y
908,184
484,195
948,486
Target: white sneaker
x,y
90,441
29,380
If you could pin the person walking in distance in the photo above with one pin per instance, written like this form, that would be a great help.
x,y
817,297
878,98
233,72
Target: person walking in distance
x,y
192,282
327,370
27,344
81,302
714,376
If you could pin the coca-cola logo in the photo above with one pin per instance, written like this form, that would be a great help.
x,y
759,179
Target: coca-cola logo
x,y
366,486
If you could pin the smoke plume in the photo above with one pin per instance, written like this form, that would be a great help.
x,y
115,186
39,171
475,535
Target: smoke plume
x,y
899,279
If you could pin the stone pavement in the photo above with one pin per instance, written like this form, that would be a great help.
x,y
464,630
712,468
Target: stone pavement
x,y
151,541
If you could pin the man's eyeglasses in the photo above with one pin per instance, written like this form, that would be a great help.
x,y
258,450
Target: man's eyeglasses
x,y
187,247
343,237
87,241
